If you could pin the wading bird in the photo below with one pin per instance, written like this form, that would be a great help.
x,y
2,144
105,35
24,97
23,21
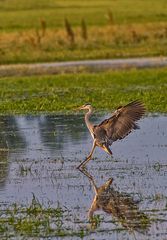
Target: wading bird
x,y
118,126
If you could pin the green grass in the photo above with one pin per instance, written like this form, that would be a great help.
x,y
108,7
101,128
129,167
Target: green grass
x,y
63,93
21,14
133,29
35,220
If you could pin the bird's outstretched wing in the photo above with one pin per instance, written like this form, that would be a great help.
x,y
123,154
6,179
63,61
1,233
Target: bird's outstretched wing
x,y
123,120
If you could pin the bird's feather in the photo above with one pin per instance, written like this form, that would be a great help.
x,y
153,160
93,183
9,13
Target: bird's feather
x,y
121,123
100,135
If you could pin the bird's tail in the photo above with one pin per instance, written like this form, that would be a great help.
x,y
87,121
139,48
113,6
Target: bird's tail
x,y
107,149
136,126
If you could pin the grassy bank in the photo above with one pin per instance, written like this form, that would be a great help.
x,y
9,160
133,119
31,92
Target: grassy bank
x,y
35,31
62,93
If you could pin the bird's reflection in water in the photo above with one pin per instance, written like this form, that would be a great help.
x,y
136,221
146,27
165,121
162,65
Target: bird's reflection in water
x,y
120,205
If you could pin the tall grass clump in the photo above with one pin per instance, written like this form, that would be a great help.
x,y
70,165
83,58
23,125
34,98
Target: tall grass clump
x,y
84,32
43,27
110,17
69,31
36,39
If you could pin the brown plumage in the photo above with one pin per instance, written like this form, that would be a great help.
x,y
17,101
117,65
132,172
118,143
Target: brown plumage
x,y
123,120
118,126
120,205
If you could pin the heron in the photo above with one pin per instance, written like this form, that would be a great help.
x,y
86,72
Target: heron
x,y
118,126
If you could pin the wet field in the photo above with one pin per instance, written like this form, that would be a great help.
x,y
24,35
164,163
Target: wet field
x,y
38,159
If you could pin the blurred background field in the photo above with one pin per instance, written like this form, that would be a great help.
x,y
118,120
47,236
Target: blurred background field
x,y
22,14
44,31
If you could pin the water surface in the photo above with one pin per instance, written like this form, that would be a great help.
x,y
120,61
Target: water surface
x,y
45,150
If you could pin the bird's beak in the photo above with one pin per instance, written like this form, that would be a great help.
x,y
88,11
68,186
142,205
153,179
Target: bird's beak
x,y
79,108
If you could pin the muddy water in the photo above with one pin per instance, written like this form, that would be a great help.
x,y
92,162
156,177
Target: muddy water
x,y
45,150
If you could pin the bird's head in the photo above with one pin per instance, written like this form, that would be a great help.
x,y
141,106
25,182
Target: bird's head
x,y
86,106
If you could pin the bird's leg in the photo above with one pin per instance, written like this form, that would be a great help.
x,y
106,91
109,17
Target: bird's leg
x,y
94,205
85,172
89,157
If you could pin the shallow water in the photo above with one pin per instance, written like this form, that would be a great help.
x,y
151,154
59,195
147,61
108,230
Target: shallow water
x,y
45,150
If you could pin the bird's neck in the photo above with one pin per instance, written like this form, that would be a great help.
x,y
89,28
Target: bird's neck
x,y
87,120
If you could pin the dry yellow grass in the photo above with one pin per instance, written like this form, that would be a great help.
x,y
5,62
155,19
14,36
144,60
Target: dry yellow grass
x,y
102,42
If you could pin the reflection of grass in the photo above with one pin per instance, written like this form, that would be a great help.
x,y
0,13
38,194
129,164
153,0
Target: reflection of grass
x,y
63,93
24,170
35,220
35,31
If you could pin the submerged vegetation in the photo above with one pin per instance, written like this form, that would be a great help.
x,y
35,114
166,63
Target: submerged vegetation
x,y
63,93
72,30
35,220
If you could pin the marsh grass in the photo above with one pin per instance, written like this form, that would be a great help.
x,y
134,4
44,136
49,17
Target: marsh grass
x,y
35,220
36,37
38,31
84,31
24,170
116,41
69,31
95,221
43,27
65,92
110,17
